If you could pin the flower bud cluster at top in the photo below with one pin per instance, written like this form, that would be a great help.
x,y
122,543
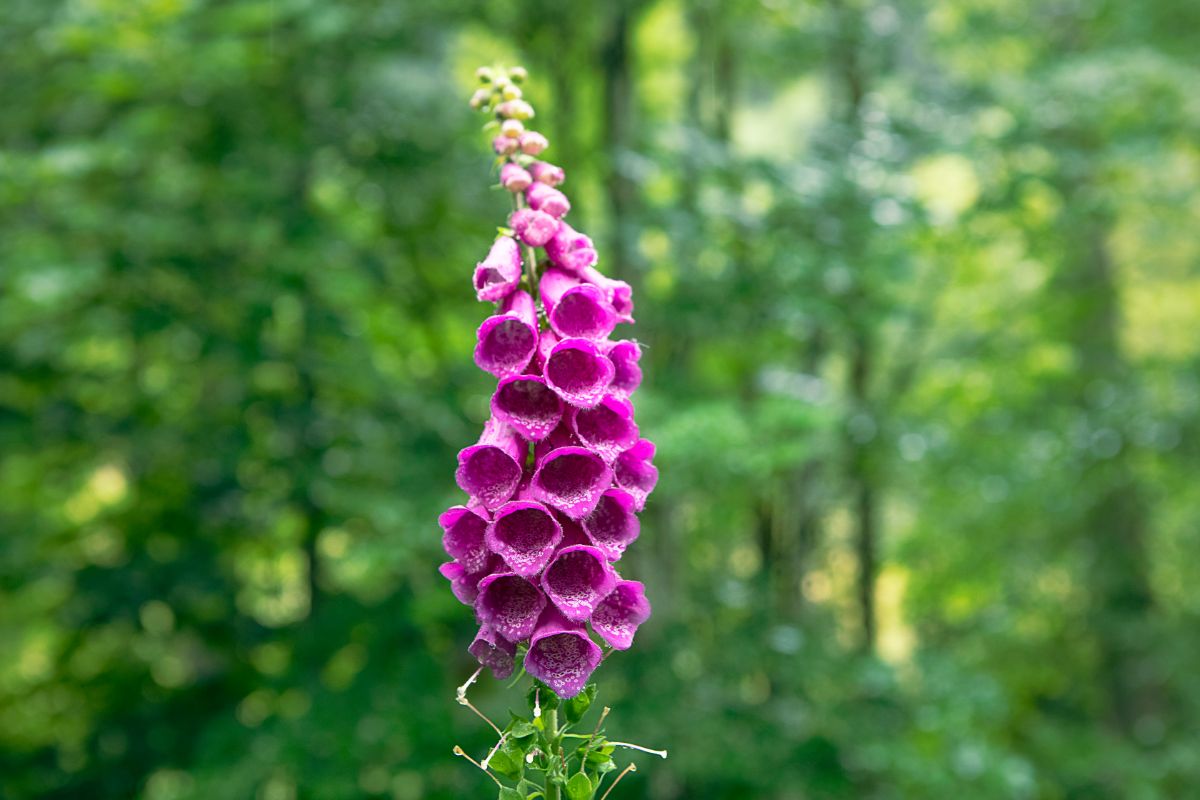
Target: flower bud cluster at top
x,y
558,476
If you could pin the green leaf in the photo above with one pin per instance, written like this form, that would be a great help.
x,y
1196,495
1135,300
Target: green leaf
x,y
510,794
577,706
579,787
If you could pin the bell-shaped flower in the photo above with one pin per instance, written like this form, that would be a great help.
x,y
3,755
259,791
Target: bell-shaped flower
x,y
579,372
618,616
464,584
528,405
490,470
618,293
494,652
577,580
534,228
509,605
634,472
575,309
524,533
508,340
547,173
498,274
570,250
627,374
504,145
571,479
545,198
613,524
463,537
608,429
561,654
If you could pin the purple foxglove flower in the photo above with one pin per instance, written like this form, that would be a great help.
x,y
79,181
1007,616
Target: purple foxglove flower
x,y
463,537
627,375
514,178
504,145
546,198
562,436
570,250
534,228
533,143
608,429
618,616
618,293
498,274
464,584
494,652
508,340
634,472
528,405
524,533
613,525
490,470
561,655
509,605
576,309
577,580
545,347
571,479
579,372
544,172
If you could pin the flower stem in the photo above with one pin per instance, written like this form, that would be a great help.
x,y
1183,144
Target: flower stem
x,y
555,739
530,262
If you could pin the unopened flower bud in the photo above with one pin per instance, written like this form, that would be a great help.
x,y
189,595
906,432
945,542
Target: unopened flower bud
x,y
518,74
511,92
514,178
484,74
504,145
511,128
480,98
515,109
544,172
533,143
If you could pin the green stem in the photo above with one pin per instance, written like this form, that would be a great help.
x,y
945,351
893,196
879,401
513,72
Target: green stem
x,y
554,738
531,275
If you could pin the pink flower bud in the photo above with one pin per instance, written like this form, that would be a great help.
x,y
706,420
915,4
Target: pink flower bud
x,y
504,146
533,143
544,172
514,178
512,128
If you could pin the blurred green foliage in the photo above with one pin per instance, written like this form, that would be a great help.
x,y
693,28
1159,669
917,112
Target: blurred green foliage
x,y
919,284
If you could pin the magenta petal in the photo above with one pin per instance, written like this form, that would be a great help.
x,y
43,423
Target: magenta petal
x,y
534,228
635,473
524,533
494,652
527,404
608,429
570,250
514,178
613,524
579,372
508,340
571,479
509,604
498,274
577,580
464,584
490,470
562,436
561,655
627,374
583,312
463,537
572,532
618,616
618,293
547,199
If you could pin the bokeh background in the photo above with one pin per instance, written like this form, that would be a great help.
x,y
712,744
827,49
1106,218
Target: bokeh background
x,y
920,287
